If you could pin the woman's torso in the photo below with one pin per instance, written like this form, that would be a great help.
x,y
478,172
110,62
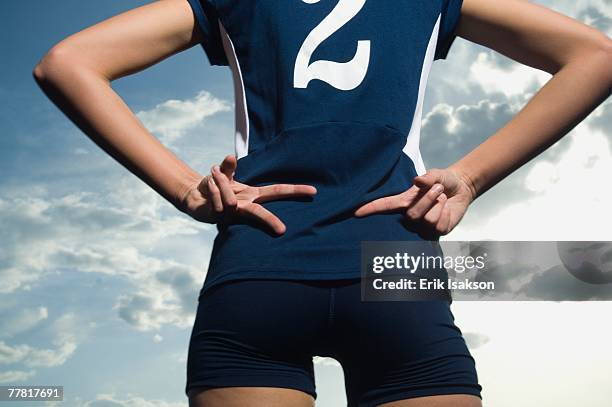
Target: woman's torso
x,y
328,93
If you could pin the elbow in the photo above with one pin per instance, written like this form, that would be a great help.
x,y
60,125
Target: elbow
x,y
595,52
605,48
59,61
601,55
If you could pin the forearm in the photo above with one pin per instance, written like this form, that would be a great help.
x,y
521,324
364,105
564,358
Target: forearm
x,y
565,100
90,102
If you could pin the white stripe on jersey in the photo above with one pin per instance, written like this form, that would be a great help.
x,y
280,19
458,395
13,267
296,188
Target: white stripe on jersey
x,y
411,149
241,119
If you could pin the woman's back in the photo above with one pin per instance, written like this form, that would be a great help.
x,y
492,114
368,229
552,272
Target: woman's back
x,y
328,94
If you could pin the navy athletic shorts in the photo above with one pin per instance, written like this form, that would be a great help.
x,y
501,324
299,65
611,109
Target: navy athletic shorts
x,y
265,333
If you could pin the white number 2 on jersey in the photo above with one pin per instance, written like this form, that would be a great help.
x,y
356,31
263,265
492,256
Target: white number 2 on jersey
x,y
341,75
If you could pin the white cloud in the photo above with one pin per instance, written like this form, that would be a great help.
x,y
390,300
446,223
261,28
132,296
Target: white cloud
x,y
76,232
571,199
475,340
515,80
66,332
112,233
114,225
12,354
167,296
596,13
173,118
111,400
12,376
17,321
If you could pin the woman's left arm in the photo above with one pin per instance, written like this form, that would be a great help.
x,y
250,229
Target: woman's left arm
x,y
580,59
578,56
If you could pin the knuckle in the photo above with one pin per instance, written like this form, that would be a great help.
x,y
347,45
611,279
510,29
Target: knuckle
x,y
433,194
212,185
241,211
412,214
387,204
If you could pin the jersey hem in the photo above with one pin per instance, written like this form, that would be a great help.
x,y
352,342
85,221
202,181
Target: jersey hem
x,y
280,274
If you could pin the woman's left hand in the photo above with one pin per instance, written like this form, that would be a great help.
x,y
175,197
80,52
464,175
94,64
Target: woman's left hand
x,y
434,205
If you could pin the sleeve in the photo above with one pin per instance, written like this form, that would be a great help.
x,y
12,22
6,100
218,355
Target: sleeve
x,y
208,21
449,19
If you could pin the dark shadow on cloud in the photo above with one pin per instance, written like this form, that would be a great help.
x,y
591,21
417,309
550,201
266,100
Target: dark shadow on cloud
x,y
183,283
521,270
557,284
442,145
475,123
131,309
452,83
528,282
607,257
509,279
185,287
587,261
595,17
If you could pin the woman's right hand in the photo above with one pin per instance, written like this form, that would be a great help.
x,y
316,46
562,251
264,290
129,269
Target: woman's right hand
x,y
218,196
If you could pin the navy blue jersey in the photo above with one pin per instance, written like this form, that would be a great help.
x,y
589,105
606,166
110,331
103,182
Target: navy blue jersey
x,y
328,93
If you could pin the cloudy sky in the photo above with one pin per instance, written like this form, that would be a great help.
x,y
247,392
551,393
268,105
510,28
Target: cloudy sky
x,y
99,276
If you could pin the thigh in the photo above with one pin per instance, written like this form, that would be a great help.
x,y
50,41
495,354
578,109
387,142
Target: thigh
x,y
402,350
451,400
252,340
249,397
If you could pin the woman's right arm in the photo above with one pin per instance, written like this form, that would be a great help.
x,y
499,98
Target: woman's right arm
x,y
76,74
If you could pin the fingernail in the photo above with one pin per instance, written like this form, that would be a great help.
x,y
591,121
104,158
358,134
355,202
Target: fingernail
x,y
437,188
216,168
